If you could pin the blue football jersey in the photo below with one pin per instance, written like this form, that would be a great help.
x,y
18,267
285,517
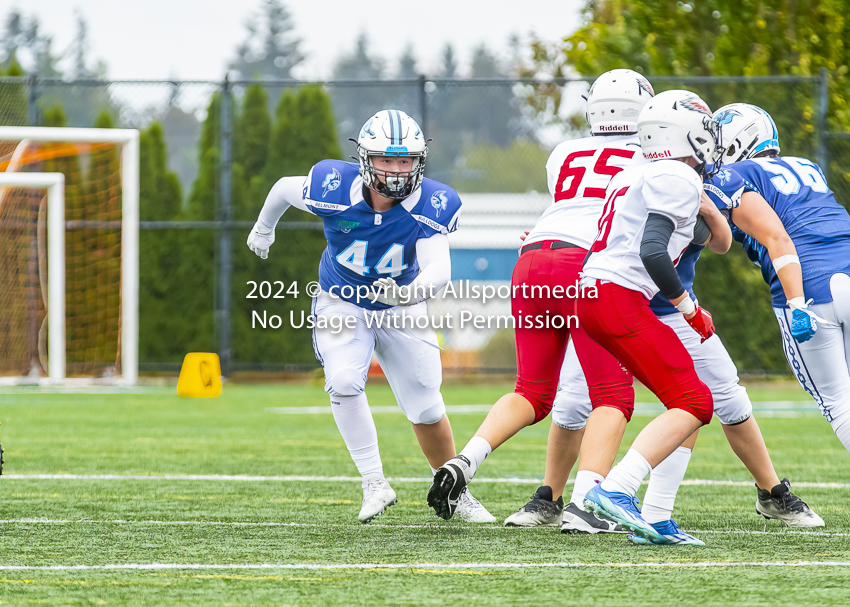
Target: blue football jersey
x,y
686,269
797,191
364,245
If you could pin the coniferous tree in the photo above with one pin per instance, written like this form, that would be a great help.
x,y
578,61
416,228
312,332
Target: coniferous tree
x,y
161,313
14,108
197,266
24,34
407,64
354,104
54,116
304,133
449,67
277,52
251,135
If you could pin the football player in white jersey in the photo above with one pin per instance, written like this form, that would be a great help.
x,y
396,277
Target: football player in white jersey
x,y
715,368
645,227
550,260
387,227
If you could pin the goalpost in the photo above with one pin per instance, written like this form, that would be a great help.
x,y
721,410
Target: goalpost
x,y
91,180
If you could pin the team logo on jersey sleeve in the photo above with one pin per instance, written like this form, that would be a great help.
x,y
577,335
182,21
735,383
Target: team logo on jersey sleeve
x,y
439,201
725,176
331,182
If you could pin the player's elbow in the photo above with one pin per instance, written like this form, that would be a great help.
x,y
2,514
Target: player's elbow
x,y
720,245
779,243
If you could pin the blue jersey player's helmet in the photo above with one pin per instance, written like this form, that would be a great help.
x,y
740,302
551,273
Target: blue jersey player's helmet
x,y
392,133
747,131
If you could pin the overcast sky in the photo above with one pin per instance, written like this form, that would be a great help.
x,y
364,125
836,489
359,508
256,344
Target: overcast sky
x,y
195,39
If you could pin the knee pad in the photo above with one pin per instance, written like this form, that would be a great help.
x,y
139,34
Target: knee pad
x,y
570,411
428,416
541,403
733,406
345,382
619,396
697,402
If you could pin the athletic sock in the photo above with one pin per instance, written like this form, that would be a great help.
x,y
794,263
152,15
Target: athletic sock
x,y
627,476
355,423
664,481
476,451
433,470
585,481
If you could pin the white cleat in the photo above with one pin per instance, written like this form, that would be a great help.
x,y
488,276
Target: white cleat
x,y
377,497
470,510
576,520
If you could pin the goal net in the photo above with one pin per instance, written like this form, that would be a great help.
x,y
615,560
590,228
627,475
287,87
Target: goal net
x,y
68,255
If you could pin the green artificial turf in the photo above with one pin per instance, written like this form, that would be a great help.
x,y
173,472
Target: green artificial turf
x,y
258,526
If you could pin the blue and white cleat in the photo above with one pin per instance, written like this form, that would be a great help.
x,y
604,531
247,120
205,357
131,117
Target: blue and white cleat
x,y
620,508
671,533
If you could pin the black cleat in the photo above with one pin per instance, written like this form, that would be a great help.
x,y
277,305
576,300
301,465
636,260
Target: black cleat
x,y
541,510
780,504
449,482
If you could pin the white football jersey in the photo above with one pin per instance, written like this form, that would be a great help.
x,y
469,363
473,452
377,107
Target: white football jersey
x,y
579,172
667,187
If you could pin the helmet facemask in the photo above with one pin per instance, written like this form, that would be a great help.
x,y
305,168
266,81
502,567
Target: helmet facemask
x,y
709,157
396,185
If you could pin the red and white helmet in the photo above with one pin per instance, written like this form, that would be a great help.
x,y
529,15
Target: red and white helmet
x,y
615,100
678,124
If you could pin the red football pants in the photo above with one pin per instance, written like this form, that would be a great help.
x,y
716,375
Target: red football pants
x,y
621,322
540,350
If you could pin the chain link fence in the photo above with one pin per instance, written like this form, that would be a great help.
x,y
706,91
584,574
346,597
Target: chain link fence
x,y
491,138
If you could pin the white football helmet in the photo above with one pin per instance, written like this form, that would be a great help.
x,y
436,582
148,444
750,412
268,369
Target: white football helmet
x,y
678,124
747,130
392,133
615,100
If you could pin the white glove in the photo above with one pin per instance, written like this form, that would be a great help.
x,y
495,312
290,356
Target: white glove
x,y
387,291
259,240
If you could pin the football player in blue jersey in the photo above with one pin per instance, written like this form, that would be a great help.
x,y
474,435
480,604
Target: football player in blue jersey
x,y
388,250
789,223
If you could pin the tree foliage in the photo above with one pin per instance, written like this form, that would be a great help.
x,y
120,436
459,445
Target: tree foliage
x,y
516,168
182,282
303,133
24,43
271,49
723,38
161,311
14,106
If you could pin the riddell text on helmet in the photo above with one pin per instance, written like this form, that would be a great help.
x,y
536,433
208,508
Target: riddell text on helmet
x,y
614,127
657,155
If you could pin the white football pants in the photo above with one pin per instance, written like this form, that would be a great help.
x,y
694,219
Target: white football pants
x,y
822,364
712,363
409,357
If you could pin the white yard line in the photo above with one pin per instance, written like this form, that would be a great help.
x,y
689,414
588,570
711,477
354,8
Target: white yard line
x,y
352,479
775,408
394,566
436,525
